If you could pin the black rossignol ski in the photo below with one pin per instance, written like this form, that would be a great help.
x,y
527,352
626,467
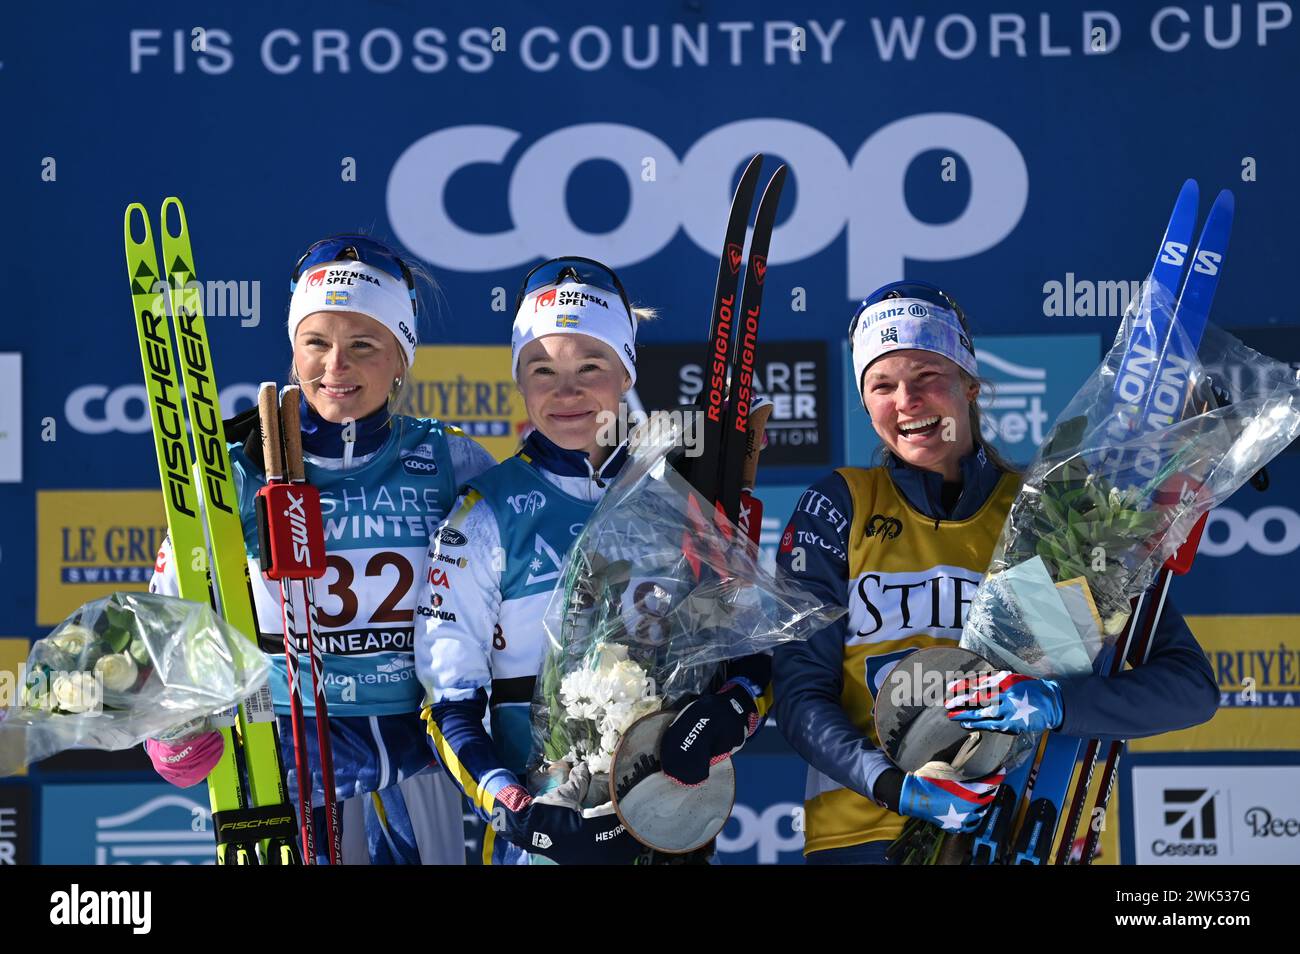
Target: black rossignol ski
x,y
730,434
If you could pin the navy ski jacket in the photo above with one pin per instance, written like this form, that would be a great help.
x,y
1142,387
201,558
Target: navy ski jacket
x,y
1174,689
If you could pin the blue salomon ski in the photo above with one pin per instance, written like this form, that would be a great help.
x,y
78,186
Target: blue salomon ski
x,y
1154,354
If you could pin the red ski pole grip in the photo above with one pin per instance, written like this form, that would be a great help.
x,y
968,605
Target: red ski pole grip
x,y
295,532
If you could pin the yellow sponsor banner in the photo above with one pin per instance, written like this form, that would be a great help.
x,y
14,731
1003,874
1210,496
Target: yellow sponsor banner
x,y
13,653
469,386
1256,663
90,543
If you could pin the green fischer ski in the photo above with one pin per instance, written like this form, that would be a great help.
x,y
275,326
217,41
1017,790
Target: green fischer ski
x,y
263,817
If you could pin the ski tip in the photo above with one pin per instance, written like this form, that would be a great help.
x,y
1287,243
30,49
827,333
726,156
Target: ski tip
x,y
1225,200
136,208
173,202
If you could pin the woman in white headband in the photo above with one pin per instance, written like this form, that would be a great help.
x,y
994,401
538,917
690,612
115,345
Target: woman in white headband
x,y
495,561
903,546
385,481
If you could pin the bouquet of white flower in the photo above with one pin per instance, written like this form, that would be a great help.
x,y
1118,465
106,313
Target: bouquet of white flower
x,y
120,670
639,624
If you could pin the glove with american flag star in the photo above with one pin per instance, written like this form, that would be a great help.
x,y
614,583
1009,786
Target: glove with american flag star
x,y
1005,702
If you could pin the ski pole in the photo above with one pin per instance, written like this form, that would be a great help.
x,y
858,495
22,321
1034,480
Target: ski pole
x,y
1178,564
297,476
273,457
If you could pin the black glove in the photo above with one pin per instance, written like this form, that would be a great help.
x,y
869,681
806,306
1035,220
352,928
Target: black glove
x,y
555,826
710,729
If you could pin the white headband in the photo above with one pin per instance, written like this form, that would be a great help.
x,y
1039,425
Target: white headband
x,y
356,286
910,323
574,309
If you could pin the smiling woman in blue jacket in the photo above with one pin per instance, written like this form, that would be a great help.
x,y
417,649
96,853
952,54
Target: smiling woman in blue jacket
x,y
903,547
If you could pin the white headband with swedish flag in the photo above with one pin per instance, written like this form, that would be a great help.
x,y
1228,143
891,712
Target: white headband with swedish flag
x,y
574,309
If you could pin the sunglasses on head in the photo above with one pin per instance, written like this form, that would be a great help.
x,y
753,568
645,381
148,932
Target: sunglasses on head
x,y
586,271
920,290
355,248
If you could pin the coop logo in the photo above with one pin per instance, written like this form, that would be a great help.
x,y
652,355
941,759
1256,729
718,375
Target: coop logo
x,y
1189,823
863,194
1269,531
773,834
420,462
99,409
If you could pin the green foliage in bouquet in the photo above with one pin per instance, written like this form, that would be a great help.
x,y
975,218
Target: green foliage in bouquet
x,y
1082,526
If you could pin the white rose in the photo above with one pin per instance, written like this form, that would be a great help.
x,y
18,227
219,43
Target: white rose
x,y
611,653
598,762
76,691
118,671
72,640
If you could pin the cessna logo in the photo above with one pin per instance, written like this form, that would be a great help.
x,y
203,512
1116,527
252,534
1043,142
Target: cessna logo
x,y
885,527
1189,824
298,529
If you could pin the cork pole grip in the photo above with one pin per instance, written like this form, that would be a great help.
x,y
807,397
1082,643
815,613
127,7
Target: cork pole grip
x,y
268,412
292,424
753,444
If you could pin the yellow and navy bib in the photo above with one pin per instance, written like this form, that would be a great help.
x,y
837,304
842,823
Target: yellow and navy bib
x,y
911,579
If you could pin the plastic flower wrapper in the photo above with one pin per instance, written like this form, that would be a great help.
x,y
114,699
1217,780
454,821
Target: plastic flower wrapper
x,y
654,596
122,669
1119,483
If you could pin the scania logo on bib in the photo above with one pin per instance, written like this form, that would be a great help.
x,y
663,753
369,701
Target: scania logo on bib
x,y
863,193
